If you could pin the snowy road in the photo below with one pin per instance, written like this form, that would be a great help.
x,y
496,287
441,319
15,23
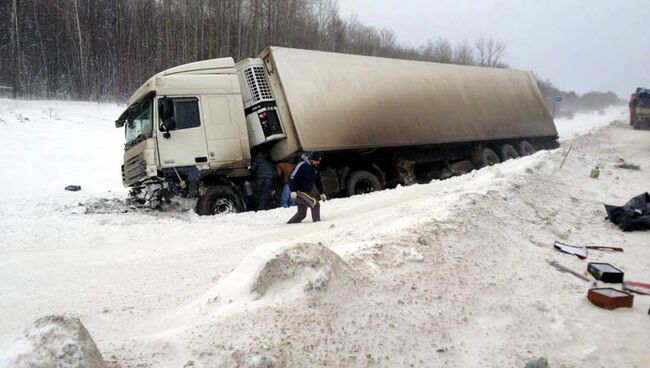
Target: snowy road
x,y
454,271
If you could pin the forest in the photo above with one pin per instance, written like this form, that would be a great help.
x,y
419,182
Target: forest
x,y
102,50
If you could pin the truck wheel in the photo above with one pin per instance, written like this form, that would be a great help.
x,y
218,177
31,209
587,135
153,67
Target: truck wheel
x,y
525,148
361,182
219,200
508,152
489,157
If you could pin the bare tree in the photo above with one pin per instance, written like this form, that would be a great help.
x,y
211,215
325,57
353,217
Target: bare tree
x,y
464,54
82,62
490,52
439,50
15,34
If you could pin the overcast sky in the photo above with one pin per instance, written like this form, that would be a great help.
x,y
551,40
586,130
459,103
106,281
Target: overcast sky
x,y
580,45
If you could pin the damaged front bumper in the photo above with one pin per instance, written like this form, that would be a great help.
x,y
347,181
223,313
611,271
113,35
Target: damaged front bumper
x,y
139,163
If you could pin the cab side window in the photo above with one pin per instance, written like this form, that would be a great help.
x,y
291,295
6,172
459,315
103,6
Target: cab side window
x,y
178,113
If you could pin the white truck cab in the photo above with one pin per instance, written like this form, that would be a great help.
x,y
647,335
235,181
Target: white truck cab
x,y
189,121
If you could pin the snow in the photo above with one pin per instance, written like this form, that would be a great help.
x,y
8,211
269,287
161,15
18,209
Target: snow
x,y
53,341
452,273
583,123
59,142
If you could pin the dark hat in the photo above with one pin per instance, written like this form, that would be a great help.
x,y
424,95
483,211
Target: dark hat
x,y
315,156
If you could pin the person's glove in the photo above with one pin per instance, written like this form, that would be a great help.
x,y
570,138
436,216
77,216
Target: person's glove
x,y
293,196
323,197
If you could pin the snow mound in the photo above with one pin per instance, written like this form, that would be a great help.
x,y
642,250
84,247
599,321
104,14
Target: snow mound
x,y
279,272
310,267
53,341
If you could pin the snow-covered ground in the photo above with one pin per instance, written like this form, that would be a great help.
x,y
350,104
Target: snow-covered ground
x,y
583,123
453,273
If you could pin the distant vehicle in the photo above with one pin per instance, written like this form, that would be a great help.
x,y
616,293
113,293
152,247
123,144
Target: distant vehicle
x,y
640,109
191,130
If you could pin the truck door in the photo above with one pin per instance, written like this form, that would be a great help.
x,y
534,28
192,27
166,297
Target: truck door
x,y
181,132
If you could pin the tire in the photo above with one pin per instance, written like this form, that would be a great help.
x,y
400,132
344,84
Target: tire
x,y
525,148
219,200
445,173
456,168
361,182
508,152
489,157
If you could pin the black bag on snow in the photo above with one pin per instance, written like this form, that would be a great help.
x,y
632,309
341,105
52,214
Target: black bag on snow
x,y
635,215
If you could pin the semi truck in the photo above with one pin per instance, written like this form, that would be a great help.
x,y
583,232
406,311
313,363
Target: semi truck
x,y
191,130
640,108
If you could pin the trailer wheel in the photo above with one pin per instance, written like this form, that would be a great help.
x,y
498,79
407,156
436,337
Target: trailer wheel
x,y
508,152
361,182
525,148
219,200
489,157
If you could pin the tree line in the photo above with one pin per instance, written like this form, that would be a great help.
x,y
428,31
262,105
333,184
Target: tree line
x,y
573,102
104,49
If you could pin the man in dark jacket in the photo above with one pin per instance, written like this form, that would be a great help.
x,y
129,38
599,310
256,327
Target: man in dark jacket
x,y
301,182
264,172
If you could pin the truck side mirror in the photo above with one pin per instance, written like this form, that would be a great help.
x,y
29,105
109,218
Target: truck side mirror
x,y
166,108
166,112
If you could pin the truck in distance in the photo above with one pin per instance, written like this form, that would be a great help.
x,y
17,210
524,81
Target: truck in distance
x,y
640,109
191,130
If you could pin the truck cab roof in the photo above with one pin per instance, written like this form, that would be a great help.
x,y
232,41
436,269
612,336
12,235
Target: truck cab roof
x,y
187,77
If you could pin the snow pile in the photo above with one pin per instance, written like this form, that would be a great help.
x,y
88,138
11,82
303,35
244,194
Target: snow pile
x,y
53,341
303,267
277,272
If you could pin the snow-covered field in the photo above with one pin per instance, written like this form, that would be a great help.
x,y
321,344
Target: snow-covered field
x,y
452,274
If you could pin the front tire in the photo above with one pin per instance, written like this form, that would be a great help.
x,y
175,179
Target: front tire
x,y
361,182
219,200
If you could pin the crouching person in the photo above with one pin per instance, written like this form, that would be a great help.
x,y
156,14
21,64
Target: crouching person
x,y
301,181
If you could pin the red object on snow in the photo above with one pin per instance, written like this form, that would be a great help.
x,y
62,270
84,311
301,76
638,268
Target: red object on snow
x,y
609,298
632,105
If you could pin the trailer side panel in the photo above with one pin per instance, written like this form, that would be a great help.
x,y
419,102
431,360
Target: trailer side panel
x,y
339,101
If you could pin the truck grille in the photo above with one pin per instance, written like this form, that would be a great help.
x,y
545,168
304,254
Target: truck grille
x,y
133,170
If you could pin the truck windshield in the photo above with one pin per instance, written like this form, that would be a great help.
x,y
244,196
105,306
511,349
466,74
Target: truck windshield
x,y
138,126
644,100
